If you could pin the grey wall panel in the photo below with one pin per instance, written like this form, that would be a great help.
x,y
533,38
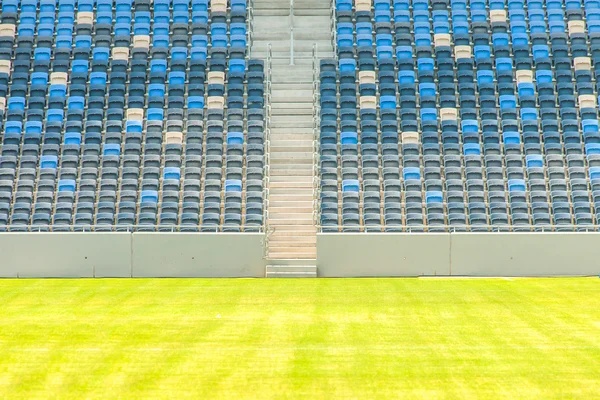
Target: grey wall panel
x,y
525,254
385,254
225,255
65,255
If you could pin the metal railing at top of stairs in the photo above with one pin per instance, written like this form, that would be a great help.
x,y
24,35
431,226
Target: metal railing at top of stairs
x,y
460,228
250,33
129,228
332,24
291,32
316,125
267,162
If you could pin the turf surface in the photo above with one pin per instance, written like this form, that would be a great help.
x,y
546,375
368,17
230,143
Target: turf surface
x,y
274,339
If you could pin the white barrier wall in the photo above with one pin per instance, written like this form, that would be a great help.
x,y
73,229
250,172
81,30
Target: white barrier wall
x,y
65,255
81,255
525,254
458,254
104,255
382,254
198,255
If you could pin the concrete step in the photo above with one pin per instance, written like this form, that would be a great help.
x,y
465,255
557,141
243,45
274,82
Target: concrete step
x,y
305,145
277,120
292,112
292,254
290,148
289,185
287,85
290,222
291,197
308,106
291,271
292,241
296,233
291,179
300,169
292,96
282,210
297,218
290,190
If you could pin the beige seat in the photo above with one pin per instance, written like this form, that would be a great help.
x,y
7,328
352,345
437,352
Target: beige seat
x,y
120,53
218,6
497,16
462,52
365,77
2,103
7,30
449,114
410,138
5,67
141,42
174,138
135,114
576,27
524,76
216,78
368,102
582,63
59,78
215,102
587,101
363,5
85,17
442,40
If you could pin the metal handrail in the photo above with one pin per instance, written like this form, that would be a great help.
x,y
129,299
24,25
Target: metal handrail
x,y
268,110
332,26
250,33
291,32
316,124
121,228
545,228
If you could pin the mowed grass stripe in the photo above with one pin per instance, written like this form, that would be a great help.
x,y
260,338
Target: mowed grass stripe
x,y
274,339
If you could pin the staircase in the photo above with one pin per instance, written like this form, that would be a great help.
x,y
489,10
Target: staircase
x,y
291,227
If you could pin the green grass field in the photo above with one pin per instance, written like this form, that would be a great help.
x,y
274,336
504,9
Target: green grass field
x,y
278,339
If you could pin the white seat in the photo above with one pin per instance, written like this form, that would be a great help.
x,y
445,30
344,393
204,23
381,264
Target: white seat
x,y
218,6
524,76
582,63
85,17
141,42
135,114
366,77
7,30
442,40
587,101
5,67
576,27
410,138
174,138
59,78
497,16
120,53
367,102
449,114
363,5
216,78
462,52
215,102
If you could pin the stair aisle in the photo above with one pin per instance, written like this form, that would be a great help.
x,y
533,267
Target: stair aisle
x,y
292,230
